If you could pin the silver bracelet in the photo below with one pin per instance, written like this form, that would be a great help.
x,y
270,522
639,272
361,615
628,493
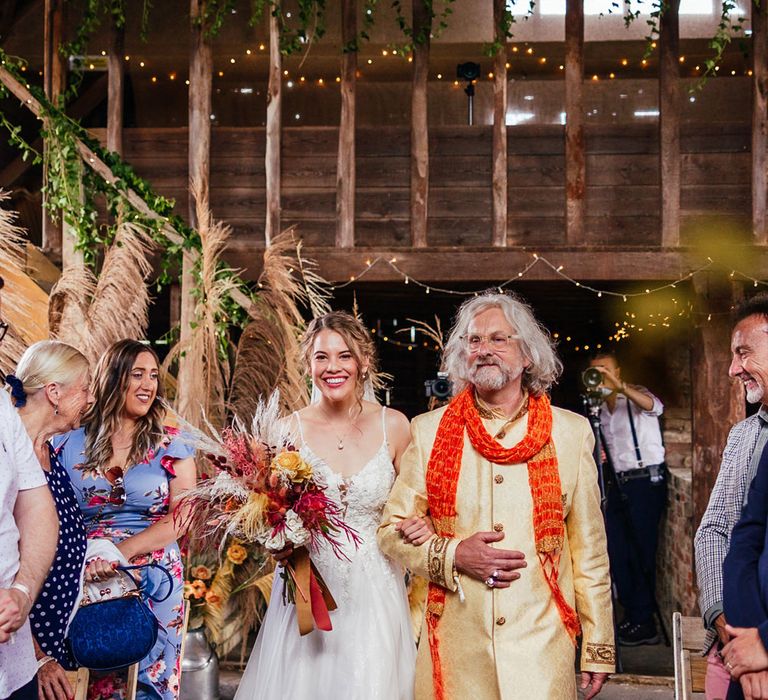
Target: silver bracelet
x,y
21,587
44,660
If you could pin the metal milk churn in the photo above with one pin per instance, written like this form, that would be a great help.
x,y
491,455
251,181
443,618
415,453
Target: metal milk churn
x,y
199,668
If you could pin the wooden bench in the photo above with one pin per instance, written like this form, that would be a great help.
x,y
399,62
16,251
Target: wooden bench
x,y
688,635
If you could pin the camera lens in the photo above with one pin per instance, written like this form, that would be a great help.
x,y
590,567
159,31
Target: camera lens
x,y
592,377
441,388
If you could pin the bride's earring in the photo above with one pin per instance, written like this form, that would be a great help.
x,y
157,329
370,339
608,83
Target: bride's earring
x,y
56,409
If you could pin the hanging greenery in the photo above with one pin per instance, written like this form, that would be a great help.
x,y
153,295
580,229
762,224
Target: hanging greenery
x,y
72,192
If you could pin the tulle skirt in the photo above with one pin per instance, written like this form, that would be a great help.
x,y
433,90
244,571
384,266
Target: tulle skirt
x,y
370,654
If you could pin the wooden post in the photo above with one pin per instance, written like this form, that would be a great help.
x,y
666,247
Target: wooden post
x,y
345,162
54,77
274,126
419,126
710,358
669,123
116,75
499,237
759,122
69,256
575,156
199,158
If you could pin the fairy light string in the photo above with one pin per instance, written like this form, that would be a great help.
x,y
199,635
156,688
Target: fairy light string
x,y
623,328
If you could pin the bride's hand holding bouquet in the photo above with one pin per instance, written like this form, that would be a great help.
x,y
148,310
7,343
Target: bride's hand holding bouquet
x,y
262,490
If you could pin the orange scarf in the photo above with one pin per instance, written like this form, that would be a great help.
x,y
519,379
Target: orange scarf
x,y
538,450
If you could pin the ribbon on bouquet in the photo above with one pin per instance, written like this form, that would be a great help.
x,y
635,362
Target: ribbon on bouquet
x,y
313,600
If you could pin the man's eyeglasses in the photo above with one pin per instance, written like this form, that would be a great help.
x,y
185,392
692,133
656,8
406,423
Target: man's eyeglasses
x,y
117,492
495,341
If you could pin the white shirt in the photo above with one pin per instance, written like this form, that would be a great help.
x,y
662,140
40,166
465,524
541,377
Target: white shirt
x,y
19,470
617,432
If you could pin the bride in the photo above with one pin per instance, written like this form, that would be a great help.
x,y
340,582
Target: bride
x,y
355,445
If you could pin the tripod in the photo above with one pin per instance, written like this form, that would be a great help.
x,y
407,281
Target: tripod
x,y
593,403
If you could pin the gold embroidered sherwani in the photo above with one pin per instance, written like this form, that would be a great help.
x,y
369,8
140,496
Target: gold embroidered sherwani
x,y
509,643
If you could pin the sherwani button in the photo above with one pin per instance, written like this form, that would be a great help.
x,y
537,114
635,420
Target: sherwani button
x,y
501,620
498,478
498,527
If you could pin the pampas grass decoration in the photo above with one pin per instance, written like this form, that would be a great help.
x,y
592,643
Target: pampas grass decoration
x,y
268,355
206,369
92,313
15,303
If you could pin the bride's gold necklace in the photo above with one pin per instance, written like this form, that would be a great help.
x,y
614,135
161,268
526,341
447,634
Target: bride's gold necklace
x,y
339,438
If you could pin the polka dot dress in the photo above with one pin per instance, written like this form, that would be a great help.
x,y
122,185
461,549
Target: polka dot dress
x,y
51,612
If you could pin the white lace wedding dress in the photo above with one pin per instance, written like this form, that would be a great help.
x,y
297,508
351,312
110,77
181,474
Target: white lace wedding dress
x,y
370,653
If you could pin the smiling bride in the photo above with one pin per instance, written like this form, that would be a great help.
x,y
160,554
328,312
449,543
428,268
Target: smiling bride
x,y
354,445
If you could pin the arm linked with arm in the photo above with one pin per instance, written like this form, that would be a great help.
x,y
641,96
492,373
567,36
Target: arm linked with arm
x,y
434,559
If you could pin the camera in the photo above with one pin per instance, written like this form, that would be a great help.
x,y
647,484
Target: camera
x,y
468,71
591,378
440,387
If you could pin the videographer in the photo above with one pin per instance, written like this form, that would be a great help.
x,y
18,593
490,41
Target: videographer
x,y
636,495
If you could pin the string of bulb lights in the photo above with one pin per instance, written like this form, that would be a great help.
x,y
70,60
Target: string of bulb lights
x,y
623,328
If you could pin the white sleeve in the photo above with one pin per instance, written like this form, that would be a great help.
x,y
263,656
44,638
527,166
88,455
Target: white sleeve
x,y
30,475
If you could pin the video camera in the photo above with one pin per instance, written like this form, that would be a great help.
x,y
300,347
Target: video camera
x,y
440,387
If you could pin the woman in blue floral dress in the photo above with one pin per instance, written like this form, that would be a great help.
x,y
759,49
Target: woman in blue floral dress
x,y
128,471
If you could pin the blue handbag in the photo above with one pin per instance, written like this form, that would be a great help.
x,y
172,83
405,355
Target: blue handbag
x,y
110,634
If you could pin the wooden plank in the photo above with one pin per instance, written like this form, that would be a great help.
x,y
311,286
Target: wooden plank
x,y
710,358
345,162
669,123
487,264
759,123
273,135
499,182
419,199
575,159
116,74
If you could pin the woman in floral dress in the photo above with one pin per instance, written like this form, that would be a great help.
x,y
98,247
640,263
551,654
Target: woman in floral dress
x,y
128,471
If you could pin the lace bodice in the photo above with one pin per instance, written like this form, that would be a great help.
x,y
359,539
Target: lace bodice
x,y
361,498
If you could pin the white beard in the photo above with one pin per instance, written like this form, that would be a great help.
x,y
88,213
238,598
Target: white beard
x,y
492,377
755,395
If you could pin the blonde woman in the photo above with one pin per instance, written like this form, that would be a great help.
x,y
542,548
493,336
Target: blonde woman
x,y
355,445
128,472
50,389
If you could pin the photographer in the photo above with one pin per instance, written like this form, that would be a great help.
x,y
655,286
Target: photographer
x,y
636,495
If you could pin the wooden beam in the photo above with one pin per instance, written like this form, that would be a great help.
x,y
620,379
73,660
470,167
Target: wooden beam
x,y
489,264
669,123
115,88
575,150
199,167
54,77
85,103
274,129
419,124
345,162
759,123
499,235
710,358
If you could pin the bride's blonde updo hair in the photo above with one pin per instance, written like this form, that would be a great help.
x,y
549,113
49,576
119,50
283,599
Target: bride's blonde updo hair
x,y
48,362
357,339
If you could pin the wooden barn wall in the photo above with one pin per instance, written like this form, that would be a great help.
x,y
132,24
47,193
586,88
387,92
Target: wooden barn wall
x,y
622,182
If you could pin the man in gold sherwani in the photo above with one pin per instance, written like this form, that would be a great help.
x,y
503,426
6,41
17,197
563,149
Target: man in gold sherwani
x,y
518,567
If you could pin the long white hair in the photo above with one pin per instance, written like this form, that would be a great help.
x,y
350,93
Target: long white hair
x,y
535,342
